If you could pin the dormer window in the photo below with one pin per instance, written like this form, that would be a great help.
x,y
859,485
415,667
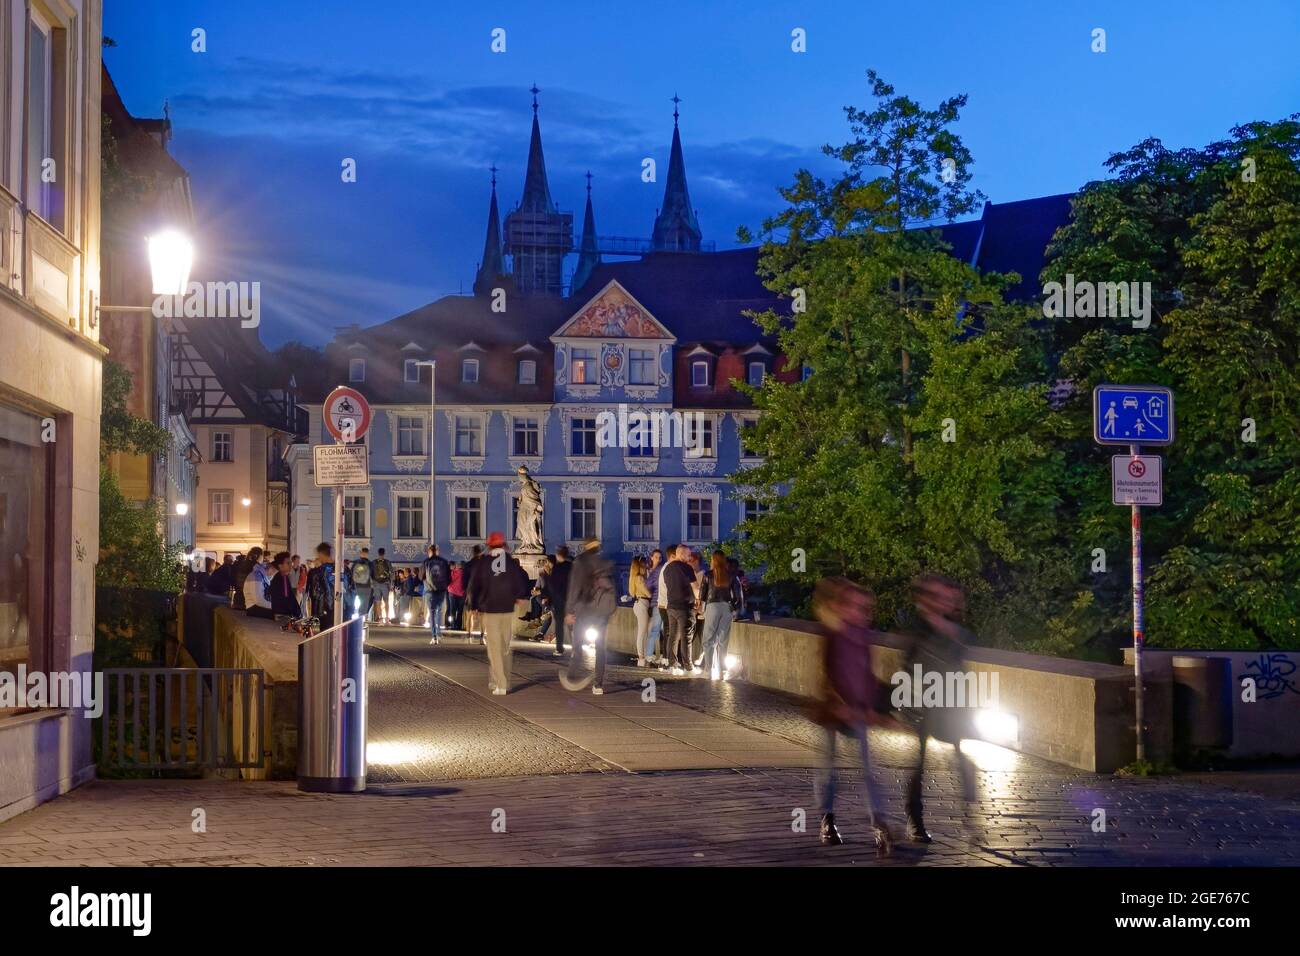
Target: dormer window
x,y
756,372
527,372
357,370
469,370
699,374
411,370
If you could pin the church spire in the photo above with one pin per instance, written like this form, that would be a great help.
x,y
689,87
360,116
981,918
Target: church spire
x,y
588,254
493,265
676,228
537,192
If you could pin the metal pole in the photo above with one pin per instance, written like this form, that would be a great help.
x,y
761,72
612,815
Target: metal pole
x,y
1139,624
433,464
340,614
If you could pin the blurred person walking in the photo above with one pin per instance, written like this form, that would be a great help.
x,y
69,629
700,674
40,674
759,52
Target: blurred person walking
x,y
499,589
590,603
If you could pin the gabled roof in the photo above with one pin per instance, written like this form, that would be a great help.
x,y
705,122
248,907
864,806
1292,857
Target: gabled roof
x,y
613,312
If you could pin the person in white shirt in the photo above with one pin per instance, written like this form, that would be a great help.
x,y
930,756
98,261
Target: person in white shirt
x,y
256,602
661,602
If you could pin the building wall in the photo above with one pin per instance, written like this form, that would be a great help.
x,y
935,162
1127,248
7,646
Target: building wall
x,y
50,366
245,477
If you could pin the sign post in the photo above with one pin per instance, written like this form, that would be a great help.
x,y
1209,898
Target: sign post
x,y
1134,415
347,417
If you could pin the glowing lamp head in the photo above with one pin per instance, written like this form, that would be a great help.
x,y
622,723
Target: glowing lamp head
x,y
997,727
170,256
245,501
182,508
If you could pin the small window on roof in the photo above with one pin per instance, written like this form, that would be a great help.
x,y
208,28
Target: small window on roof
x,y
411,370
700,374
527,372
469,370
756,372
357,370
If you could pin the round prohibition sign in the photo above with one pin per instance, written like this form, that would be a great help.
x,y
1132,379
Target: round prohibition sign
x,y
347,405
1137,468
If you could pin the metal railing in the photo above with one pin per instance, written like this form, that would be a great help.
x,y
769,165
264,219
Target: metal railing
x,y
182,718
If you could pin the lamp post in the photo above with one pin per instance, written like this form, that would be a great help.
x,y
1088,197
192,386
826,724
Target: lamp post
x,y
433,430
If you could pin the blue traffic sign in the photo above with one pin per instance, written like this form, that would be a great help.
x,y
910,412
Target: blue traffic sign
x,y
1132,415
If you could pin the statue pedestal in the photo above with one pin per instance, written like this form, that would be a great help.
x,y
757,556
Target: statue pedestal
x,y
531,563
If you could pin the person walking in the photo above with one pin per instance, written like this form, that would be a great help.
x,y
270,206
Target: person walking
x,y
640,594
937,644
499,589
456,598
320,586
720,598
382,575
590,602
679,586
557,582
437,576
847,700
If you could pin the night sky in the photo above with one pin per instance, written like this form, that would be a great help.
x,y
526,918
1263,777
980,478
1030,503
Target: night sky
x,y
287,89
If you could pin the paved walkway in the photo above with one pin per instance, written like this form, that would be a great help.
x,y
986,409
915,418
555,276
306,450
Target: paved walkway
x,y
705,774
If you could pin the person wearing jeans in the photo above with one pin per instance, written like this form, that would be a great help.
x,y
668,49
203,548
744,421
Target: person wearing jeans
x,y
640,594
720,595
437,577
652,607
679,585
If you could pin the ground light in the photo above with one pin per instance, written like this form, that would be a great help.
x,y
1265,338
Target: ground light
x,y
356,606
731,662
997,727
406,619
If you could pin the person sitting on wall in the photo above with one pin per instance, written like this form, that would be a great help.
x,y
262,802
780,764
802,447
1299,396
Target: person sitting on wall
x,y
283,588
256,602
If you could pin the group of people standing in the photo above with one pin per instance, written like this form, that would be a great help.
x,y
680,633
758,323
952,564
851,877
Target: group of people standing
x,y
684,610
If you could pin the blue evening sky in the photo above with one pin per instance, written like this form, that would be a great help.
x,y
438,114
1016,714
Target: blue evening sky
x,y
411,90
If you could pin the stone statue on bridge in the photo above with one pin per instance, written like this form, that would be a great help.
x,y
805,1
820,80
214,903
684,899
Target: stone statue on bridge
x,y
528,526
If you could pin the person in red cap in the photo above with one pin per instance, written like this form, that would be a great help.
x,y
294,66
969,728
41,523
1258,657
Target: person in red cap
x,y
498,589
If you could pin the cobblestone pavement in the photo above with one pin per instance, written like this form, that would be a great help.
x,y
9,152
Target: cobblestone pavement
x,y
449,762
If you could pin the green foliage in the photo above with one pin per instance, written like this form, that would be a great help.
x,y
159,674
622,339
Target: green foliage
x,y
119,430
906,344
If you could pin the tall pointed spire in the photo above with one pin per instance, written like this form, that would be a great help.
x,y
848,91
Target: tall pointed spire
x,y
537,235
493,265
537,191
588,254
676,228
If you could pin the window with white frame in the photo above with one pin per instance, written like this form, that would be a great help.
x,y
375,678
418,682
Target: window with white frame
x,y
582,367
701,522
220,504
410,516
356,514
699,435
467,515
746,431
756,372
700,374
641,367
527,372
469,370
357,370
223,446
755,508
469,436
527,438
46,119
410,434
641,519
583,518
582,437
411,370
640,441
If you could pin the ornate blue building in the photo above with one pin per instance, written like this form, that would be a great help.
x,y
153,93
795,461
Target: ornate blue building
x,y
527,375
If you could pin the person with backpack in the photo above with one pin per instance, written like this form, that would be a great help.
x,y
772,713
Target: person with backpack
x,y
499,588
456,598
382,578
437,577
720,596
590,603
363,583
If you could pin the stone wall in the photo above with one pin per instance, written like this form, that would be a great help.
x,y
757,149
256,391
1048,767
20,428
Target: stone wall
x,y
1072,712
242,641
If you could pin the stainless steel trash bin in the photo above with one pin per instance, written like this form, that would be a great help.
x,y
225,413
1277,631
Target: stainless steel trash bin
x,y
332,710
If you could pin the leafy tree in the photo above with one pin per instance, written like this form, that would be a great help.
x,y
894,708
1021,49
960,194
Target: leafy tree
x,y
920,441
1217,232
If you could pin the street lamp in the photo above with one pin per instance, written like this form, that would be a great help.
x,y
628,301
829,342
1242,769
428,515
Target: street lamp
x,y
182,508
246,502
433,428
171,254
